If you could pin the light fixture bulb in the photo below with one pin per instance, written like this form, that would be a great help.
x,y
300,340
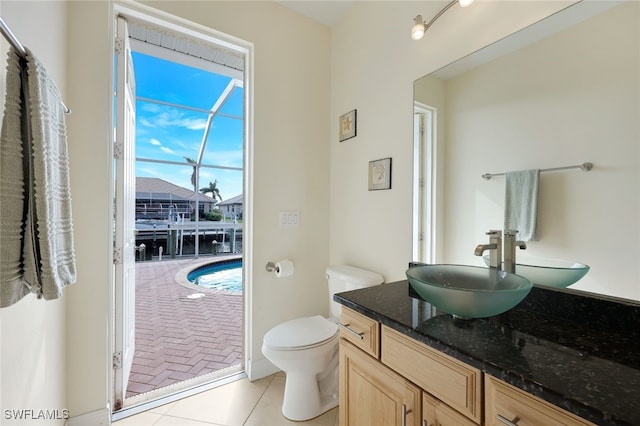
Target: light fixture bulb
x,y
417,32
465,3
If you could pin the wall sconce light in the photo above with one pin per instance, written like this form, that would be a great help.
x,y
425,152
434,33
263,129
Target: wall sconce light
x,y
419,26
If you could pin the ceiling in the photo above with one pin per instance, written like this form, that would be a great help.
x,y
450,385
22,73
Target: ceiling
x,y
326,12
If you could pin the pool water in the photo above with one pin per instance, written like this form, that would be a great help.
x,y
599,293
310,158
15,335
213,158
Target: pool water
x,y
225,276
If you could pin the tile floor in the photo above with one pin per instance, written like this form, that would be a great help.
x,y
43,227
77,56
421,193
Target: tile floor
x,y
240,403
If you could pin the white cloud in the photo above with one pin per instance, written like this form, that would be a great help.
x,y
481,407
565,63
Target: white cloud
x,y
144,122
224,158
150,107
167,150
172,118
192,123
155,142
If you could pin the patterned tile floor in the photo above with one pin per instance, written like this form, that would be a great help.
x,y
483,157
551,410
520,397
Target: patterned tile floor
x,y
178,337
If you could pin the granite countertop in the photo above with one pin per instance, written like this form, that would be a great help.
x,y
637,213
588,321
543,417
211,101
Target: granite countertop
x,y
580,353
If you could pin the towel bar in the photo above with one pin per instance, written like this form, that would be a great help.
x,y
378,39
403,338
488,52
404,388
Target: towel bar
x,y
584,167
13,40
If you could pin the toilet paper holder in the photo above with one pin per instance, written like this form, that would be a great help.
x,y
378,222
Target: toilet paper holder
x,y
282,268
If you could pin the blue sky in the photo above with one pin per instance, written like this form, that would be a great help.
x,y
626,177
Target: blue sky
x,y
170,133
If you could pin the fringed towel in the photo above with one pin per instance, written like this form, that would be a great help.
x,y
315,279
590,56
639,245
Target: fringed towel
x,y
521,203
36,232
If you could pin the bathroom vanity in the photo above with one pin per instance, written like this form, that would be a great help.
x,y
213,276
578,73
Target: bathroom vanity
x,y
556,358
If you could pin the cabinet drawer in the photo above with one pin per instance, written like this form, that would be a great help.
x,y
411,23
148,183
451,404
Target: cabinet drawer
x,y
361,331
449,380
524,409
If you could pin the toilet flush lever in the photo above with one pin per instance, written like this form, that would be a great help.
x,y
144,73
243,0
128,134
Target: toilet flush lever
x,y
346,328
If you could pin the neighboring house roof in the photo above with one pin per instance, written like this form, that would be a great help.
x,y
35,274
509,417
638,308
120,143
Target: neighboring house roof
x,y
160,189
234,200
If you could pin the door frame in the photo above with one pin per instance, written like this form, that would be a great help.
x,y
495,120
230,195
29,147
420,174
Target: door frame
x,y
178,24
124,224
425,152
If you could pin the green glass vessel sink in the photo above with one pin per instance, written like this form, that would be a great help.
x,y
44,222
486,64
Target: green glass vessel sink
x,y
548,272
468,291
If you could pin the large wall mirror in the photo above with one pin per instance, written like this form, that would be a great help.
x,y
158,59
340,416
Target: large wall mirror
x,y
559,93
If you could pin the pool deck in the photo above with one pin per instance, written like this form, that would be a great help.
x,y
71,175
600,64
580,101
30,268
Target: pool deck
x,y
182,331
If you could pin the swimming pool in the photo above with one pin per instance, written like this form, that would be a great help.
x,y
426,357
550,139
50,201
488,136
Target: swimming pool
x,y
226,275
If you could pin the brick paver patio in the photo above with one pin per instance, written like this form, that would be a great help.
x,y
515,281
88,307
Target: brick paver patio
x,y
180,336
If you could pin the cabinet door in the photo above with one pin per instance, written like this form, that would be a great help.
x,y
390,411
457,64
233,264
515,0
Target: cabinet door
x,y
505,403
437,413
372,394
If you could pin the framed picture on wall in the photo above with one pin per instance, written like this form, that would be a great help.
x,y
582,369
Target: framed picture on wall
x,y
348,125
380,174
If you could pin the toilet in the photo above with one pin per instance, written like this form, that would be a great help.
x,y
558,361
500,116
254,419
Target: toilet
x,y
306,349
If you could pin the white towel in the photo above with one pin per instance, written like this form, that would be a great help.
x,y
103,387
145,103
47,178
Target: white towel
x,y
36,231
521,203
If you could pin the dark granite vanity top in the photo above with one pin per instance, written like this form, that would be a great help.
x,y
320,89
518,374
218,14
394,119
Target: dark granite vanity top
x,y
578,352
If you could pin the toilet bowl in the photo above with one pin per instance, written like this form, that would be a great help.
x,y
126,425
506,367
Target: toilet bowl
x,y
306,349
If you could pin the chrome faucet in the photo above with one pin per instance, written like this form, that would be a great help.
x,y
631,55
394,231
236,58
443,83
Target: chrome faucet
x,y
510,244
494,247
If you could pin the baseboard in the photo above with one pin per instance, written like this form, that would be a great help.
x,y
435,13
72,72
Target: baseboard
x,y
100,417
261,368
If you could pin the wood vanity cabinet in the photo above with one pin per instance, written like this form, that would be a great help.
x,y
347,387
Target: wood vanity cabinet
x,y
390,379
391,392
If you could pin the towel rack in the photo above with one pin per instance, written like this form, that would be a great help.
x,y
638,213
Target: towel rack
x,y
11,38
584,167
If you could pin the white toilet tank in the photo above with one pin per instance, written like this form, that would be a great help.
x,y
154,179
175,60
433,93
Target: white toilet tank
x,y
344,278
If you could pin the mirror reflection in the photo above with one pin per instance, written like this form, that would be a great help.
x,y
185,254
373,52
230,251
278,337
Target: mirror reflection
x,y
568,94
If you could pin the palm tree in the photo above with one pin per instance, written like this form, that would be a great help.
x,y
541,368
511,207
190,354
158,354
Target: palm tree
x,y
213,189
193,175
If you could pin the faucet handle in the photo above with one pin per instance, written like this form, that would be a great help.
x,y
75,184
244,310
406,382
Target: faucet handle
x,y
494,232
510,235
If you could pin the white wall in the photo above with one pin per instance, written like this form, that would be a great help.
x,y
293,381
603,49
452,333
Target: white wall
x,y
291,95
374,63
90,130
32,332
565,100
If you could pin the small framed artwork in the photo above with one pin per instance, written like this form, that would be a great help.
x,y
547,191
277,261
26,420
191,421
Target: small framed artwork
x,y
380,174
348,125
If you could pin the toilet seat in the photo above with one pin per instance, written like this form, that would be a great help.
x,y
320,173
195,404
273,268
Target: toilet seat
x,y
301,333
